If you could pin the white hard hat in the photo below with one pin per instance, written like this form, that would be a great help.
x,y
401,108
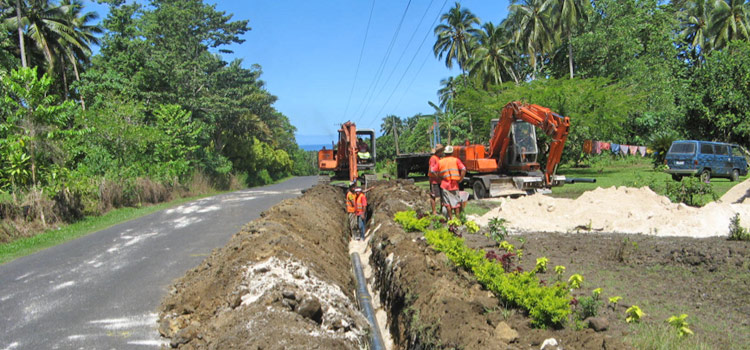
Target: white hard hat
x,y
448,149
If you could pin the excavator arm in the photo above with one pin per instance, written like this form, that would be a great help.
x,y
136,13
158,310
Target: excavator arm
x,y
554,125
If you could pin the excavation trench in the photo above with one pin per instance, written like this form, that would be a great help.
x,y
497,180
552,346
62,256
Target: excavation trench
x,y
285,281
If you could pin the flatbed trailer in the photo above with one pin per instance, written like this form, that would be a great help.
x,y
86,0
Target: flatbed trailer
x,y
412,163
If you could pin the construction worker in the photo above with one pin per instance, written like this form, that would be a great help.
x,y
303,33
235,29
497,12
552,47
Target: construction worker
x,y
437,152
360,211
451,171
350,208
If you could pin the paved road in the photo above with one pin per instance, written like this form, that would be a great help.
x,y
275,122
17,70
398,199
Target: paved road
x,y
102,291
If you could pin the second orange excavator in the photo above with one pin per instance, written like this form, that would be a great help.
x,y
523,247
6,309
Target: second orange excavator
x,y
510,166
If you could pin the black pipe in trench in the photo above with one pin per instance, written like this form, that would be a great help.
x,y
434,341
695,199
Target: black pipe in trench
x,y
365,303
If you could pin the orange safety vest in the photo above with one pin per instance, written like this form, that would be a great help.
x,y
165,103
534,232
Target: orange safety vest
x,y
350,198
449,169
361,204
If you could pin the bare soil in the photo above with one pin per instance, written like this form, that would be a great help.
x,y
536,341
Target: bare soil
x,y
249,294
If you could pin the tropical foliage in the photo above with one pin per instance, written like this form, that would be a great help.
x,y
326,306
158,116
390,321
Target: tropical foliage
x,y
157,112
626,71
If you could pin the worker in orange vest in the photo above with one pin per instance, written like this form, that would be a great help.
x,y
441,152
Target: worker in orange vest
x,y
360,211
451,171
437,152
350,208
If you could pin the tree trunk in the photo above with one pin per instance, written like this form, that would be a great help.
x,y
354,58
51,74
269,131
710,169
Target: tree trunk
x,y
570,56
395,135
78,79
21,43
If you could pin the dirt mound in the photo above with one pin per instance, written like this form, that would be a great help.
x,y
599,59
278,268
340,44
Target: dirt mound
x,y
432,304
737,194
621,210
282,282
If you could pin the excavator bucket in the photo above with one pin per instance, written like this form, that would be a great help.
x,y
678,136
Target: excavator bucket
x,y
504,187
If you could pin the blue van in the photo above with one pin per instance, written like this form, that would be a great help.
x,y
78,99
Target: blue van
x,y
705,159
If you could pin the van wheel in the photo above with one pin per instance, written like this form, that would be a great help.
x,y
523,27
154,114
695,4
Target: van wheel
x,y
676,177
705,175
735,175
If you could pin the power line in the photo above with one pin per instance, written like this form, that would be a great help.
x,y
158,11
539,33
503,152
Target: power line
x,y
359,62
403,52
410,62
379,72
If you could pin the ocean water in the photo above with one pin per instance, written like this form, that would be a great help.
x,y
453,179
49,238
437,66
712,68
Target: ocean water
x,y
315,147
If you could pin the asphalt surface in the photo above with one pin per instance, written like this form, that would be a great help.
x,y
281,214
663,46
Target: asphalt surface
x,y
102,291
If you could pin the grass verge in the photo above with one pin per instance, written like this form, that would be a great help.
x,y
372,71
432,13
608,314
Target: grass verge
x,y
29,245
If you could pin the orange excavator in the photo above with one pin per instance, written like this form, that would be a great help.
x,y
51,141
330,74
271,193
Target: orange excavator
x,y
354,151
510,167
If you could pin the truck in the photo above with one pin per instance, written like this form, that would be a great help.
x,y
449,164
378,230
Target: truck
x,y
509,165
354,153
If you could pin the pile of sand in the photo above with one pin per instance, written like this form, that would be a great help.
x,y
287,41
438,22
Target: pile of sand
x,y
623,210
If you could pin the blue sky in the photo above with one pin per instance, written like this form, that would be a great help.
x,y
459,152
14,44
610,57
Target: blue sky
x,y
309,53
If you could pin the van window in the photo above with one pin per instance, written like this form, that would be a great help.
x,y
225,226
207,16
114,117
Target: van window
x,y
736,151
685,148
707,148
722,149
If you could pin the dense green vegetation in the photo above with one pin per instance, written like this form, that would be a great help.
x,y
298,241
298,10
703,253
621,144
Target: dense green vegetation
x,y
157,113
627,71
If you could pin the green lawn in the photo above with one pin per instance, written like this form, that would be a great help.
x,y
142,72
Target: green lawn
x,y
631,172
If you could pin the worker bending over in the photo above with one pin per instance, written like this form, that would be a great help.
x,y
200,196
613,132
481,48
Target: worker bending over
x,y
437,152
360,211
351,206
451,171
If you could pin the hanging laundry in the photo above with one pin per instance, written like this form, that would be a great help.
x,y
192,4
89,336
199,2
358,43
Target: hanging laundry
x,y
615,148
598,147
649,150
624,149
587,146
633,150
606,146
642,150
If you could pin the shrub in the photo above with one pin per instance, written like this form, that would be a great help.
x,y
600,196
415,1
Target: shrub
x,y
680,324
688,190
736,231
633,314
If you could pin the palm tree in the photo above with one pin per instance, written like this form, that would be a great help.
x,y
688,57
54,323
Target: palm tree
x,y
12,18
447,91
391,125
567,15
455,35
491,56
533,28
729,21
695,23
76,47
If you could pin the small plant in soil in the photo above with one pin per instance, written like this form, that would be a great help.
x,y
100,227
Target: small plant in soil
x,y
497,229
541,265
633,314
613,301
472,227
575,281
559,270
504,245
588,306
680,324
736,231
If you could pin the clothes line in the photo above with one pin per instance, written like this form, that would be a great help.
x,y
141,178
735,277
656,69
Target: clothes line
x,y
599,147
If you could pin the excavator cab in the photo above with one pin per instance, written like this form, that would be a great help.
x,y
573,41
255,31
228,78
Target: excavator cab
x,y
522,153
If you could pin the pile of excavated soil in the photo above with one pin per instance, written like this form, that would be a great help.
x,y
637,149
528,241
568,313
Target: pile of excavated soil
x,y
434,305
623,210
283,282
